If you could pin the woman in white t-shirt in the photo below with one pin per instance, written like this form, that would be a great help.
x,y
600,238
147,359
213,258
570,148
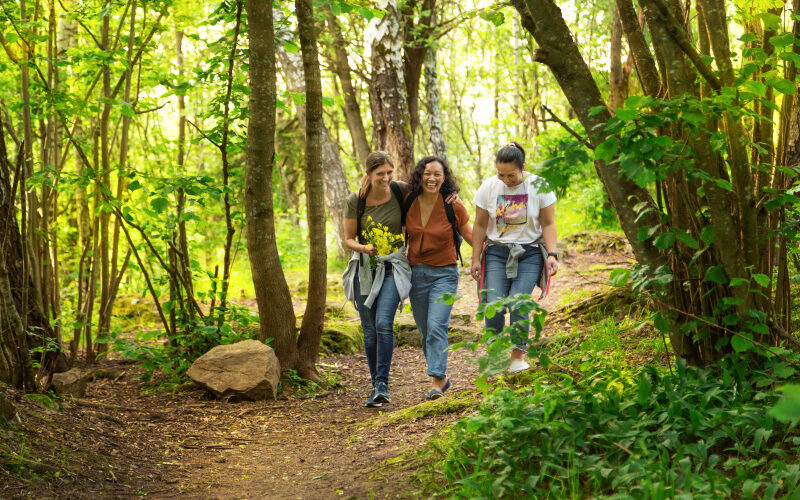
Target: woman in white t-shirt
x,y
515,225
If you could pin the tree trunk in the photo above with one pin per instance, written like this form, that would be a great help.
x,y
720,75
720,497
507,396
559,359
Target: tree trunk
x,y
336,188
618,89
433,105
314,316
388,100
416,35
272,293
352,111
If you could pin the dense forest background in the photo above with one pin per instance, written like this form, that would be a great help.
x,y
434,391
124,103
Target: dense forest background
x,y
172,177
126,127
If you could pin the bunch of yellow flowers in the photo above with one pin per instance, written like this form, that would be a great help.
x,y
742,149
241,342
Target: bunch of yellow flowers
x,y
381,238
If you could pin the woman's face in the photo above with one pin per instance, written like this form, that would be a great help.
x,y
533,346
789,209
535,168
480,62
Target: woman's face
x,y
381,176
509,173
432,177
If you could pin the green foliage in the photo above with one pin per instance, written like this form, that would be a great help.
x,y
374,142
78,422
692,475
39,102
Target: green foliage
x,y
174,355
698,433
566,164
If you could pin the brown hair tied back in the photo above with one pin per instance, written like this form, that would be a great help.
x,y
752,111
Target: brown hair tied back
x,y
512,152
374,160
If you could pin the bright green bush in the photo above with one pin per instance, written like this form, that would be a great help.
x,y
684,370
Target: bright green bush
x,y
692,433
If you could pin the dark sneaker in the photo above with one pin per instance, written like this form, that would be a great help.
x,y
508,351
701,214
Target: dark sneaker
x,y
371,402
434,395
382,392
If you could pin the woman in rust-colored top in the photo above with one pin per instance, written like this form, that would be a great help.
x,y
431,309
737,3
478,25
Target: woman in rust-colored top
x,y
432,252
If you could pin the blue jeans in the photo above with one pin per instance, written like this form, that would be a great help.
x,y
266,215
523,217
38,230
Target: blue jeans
x,y
498,285
428,283
377,322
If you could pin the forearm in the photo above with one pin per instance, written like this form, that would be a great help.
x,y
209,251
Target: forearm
x,y
478,237
355,246
550,237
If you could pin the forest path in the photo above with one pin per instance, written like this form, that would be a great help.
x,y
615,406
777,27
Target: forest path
x,y
326,445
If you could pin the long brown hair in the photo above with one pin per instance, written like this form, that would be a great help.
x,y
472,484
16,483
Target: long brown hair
x,y
374,160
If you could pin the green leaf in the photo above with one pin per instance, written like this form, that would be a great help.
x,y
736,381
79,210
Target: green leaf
x,y
707,235
607,150
738,282
782,85
716,274
788,409
644,389
687,240
661,323
755,87
291,47
782,40
724,184
619,277
740,343
761,279
544,360
159,204
664,240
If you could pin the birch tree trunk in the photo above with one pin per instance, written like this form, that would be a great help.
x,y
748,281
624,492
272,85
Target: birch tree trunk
x,y
388,100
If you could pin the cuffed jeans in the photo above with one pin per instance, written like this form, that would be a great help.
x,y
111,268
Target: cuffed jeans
x,y
377,322
428,283
497,285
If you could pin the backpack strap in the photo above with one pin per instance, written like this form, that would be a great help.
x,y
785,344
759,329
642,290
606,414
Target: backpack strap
x,y
457,238
360,207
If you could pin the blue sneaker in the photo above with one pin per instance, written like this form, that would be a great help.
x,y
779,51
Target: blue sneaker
x,y
381,392
371,402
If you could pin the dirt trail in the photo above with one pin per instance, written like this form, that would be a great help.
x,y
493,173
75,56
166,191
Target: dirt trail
x,y
326,446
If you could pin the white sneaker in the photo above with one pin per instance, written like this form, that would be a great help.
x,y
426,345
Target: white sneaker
x,y
518,366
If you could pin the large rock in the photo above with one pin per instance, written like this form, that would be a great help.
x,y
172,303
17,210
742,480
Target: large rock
x,y
247,369
71,383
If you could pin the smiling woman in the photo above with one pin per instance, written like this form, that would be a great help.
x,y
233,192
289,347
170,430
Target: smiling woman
x,y
435,227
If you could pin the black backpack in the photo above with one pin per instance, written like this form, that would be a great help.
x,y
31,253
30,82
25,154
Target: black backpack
x,y
451,217
362,205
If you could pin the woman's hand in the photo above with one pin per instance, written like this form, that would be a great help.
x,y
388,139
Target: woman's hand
x,y
369,250
552,265
475,271
452,198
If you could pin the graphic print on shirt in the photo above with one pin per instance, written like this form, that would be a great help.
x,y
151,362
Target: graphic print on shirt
x,y
512,212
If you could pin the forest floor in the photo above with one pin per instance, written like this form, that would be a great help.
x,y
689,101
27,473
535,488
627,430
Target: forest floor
x,y
126,438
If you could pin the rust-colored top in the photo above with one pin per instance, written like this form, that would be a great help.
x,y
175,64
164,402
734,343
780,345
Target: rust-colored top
x,y
433,245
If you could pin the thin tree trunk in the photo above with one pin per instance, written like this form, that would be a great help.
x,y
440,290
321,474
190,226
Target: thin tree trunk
x,y
314,316
433,105
352,111
227,260
272,293
618,89
336,188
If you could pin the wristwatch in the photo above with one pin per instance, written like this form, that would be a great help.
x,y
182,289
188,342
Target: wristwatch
x,y
552,254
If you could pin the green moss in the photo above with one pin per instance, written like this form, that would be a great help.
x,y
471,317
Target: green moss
x,y
451,403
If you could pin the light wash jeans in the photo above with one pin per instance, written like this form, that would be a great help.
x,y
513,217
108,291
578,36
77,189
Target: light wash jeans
x,y
498,285
428,283
378,322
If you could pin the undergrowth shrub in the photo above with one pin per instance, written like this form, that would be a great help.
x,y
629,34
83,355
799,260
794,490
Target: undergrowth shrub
x,y
686,432
693,433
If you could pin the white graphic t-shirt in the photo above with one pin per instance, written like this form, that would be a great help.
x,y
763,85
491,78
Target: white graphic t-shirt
x,y
514,212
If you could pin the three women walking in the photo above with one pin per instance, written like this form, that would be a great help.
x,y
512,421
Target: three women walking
x,y
514,244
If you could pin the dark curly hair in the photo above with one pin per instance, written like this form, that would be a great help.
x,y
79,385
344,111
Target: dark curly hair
x,y
415,181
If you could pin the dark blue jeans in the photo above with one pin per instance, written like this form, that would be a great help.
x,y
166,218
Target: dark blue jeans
x,y
378,325
498,285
